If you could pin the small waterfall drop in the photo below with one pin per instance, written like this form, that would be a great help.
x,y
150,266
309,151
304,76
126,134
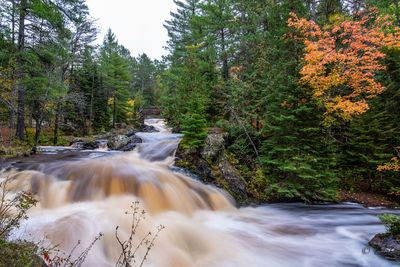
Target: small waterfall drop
x,y
82,193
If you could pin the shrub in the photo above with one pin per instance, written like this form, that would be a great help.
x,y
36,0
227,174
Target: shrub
x,y
129,250
12,211
392,224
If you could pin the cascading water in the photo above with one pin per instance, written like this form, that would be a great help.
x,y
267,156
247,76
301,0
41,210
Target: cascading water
x,y
84,193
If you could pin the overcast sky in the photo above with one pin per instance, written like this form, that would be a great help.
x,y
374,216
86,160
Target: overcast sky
x,y
138,24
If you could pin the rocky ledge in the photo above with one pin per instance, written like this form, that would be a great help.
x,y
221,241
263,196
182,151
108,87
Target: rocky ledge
x,y
212,165
122,139
387,246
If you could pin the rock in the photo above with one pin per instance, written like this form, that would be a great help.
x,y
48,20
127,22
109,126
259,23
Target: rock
x,y
91,145
213,146
134,141
236,185
117,142
191,159
80,140
386,246
149,129
131,131
87,144
129,147
212,165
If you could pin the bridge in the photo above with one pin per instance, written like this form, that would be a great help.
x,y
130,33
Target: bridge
x,y
153,112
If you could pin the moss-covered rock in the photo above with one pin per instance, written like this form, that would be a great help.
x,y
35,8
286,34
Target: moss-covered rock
x,y
387,246
212,165
117,142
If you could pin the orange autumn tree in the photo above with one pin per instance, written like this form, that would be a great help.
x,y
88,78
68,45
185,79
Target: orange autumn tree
x,y
393,165
342,59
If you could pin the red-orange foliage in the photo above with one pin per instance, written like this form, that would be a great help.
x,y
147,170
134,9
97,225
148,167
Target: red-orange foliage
x,y
393,165
342,59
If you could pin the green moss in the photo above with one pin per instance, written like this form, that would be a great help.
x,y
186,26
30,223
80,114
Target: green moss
x,y
183,164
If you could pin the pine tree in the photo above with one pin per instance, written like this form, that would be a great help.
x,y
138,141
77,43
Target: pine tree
x,y
144,79
116,76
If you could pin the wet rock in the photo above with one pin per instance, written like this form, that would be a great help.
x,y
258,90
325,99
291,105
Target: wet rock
x,y
212,165
149,129
387,246
129,147
117,142
191,159
231,177
73,140
134,141
91,145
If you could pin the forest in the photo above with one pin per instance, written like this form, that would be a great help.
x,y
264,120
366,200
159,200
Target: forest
x,y
306,91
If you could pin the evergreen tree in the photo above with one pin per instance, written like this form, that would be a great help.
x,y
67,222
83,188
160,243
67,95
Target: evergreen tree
x,y
115,70
144,79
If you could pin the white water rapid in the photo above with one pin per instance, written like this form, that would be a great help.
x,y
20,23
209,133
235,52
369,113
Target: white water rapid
x,y
82,193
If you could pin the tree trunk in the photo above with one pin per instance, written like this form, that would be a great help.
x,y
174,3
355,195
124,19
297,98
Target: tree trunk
x,y
21,114
30,116
225,70
55,139
91,106
114,110
39,118
12,119
396,4
13,22
37,134
314,10
21,89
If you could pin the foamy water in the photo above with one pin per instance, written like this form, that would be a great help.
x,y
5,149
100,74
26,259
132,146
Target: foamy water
x,y
80,198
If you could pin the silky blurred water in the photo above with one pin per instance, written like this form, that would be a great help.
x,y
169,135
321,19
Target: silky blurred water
x,y
82,193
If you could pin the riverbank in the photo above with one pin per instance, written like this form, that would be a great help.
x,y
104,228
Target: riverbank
x,y
367,199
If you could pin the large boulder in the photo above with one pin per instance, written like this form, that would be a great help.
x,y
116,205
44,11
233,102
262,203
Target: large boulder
x,y
212,165
387,246
192,160
134,141
117,142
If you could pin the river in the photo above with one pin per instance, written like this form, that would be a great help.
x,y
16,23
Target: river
x,y
84,192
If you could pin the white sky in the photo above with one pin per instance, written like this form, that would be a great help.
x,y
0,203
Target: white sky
x,y
137,24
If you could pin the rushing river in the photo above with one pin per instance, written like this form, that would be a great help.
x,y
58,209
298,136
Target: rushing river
x,y
83,193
